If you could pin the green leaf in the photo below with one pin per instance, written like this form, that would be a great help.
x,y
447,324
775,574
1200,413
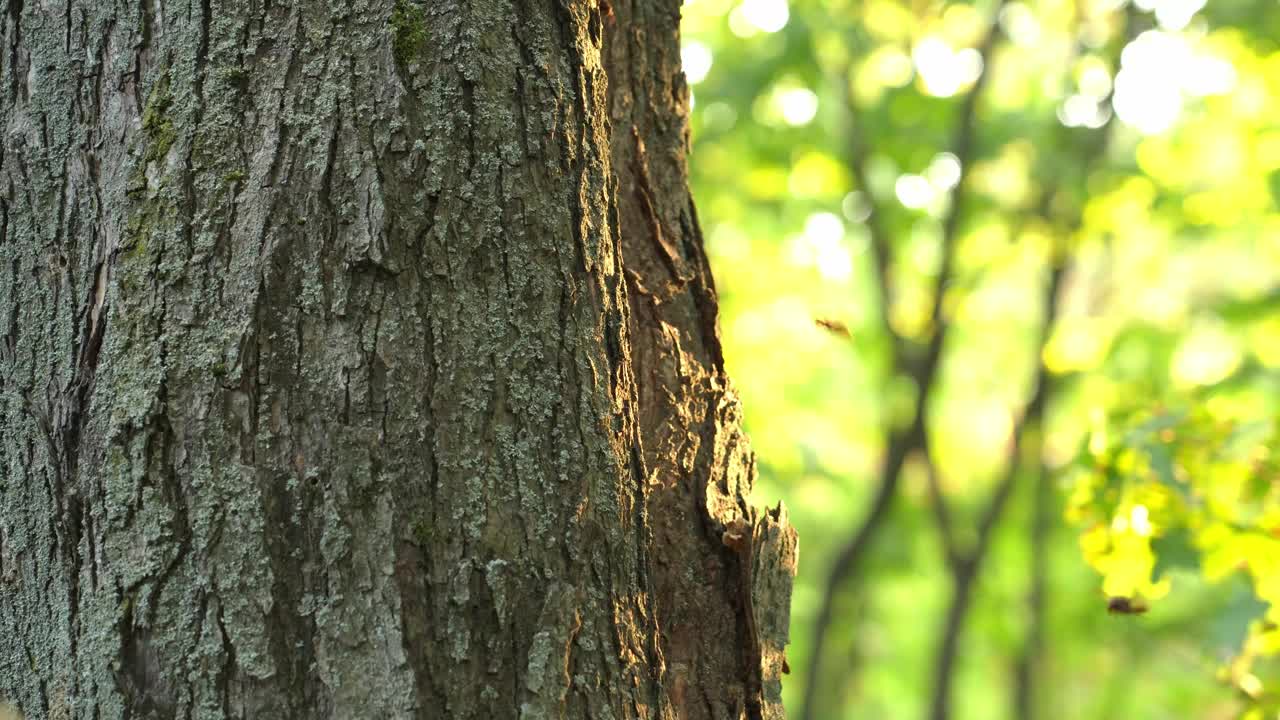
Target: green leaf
x,y
1257,488
1161,462
1229,629
1156,425
1246,438
1174,551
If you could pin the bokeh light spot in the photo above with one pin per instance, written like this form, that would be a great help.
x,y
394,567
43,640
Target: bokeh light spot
x,y
696,58
914,191
754,16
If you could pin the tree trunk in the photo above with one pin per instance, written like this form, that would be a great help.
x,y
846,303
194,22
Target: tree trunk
x,y
358,359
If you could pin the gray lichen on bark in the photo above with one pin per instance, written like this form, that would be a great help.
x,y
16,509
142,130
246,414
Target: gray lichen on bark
x,y
339,378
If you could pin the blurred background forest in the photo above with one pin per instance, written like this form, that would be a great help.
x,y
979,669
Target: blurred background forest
x,y
1000,287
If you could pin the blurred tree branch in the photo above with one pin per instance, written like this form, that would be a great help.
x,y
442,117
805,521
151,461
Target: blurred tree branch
x,y
964,565
965,571
924,373
881,246
1025,679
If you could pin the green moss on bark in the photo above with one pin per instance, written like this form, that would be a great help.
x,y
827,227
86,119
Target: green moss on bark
x,y
409,31
156,122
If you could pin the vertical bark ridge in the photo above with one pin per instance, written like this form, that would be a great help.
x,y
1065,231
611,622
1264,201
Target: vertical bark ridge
x,y
722,568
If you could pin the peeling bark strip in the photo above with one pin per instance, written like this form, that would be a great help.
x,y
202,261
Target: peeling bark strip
x,y
358,359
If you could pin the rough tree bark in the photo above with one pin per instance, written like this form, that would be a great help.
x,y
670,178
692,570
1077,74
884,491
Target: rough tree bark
x,y
358,359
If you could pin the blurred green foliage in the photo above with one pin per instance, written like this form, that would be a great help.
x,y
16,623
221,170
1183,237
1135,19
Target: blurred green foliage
x,y
1131,151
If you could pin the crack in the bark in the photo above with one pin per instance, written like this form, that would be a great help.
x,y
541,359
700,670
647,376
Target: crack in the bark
x,y
15,77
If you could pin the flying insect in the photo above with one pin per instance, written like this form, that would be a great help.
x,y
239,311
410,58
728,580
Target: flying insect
x,y
1121,605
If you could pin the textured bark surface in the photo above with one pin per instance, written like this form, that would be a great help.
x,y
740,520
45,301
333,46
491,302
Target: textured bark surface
x,y
358,360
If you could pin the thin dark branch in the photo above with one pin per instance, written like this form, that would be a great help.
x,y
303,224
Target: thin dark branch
x,y
881,248
1024,685
963,579
1025,680
966,571
963,147
849,561
924,373
850,558
942,517
1031,417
